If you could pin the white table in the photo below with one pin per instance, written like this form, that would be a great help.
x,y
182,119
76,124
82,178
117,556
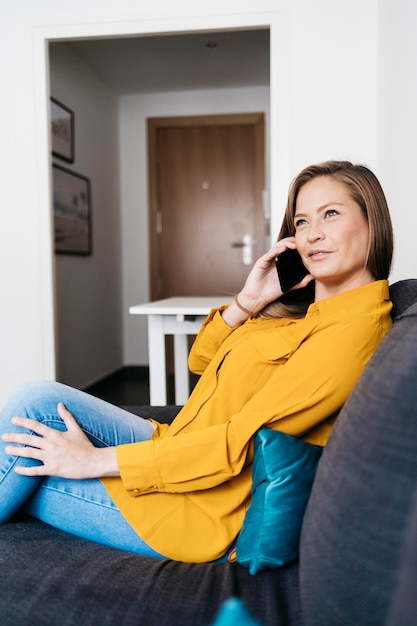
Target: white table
x,y
180,317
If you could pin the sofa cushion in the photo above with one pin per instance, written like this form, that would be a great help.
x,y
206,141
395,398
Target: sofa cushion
x,y
403,610
355,521
50,578
283,473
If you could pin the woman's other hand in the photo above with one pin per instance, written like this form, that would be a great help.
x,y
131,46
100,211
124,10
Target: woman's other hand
x,y
67,454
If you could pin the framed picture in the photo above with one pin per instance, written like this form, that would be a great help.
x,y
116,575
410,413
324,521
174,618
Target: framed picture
x,y
72,212
62,131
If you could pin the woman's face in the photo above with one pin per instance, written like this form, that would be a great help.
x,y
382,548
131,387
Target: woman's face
x,y
332,236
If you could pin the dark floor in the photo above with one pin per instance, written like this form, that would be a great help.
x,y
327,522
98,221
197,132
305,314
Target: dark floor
x,y
130,387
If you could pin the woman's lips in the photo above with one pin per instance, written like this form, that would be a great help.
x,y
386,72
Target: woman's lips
x,y
317,255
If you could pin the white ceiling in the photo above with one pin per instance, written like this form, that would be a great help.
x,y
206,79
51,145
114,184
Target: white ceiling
x,y
209,60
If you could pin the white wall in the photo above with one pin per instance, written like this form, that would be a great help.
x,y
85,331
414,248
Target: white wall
x,y
324,103
397,145
134,112
333,81
88,288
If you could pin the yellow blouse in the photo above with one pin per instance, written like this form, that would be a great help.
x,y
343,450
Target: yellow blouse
x,y
186,490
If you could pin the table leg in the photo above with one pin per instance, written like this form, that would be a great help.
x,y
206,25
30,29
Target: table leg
x,y
182,382
157,361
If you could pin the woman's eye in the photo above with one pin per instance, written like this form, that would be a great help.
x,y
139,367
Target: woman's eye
x,y
299,222
331,212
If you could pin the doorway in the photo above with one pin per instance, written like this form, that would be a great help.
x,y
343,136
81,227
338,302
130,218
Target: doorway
x,y
93,54
206,215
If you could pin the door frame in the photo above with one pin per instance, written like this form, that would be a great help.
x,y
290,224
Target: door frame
x,y
257,120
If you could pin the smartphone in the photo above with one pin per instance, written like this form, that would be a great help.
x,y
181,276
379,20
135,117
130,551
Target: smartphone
x,y
290,269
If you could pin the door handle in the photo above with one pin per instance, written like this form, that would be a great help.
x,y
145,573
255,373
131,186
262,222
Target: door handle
x,y
246,245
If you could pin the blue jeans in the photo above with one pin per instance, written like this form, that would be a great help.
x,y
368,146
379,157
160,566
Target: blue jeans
x,y
80,507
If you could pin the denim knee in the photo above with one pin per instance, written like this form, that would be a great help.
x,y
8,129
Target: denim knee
x,y
30,390
31,398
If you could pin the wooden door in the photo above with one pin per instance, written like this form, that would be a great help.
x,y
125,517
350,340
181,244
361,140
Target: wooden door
x,y
207,224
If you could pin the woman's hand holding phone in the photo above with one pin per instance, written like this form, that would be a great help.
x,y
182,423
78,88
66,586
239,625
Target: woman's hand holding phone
x,y
262,285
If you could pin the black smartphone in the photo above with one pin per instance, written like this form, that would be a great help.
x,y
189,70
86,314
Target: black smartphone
x,y
290,269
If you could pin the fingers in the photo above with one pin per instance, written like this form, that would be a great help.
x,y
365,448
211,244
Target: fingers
x,y
28,453
278,248
33,442
28,424
31,451
284,244
67,417
32,470
42,431
306,280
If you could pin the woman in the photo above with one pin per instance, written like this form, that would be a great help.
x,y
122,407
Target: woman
x,y
288,362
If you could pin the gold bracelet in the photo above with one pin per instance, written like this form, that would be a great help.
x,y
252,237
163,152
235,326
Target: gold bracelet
x,y
242,308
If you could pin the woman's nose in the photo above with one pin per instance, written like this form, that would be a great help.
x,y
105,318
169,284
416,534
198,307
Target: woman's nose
x,y
315,233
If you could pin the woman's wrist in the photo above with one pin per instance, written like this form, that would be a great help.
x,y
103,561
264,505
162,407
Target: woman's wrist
x,y
105,462
251,306
240,310
248,312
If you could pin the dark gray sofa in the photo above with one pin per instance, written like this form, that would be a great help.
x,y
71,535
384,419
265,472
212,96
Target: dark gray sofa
x,y
358,552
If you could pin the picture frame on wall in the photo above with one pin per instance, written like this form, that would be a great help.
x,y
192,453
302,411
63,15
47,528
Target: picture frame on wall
x,y
72,212
62,131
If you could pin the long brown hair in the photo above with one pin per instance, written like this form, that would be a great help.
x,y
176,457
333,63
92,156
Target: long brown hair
x,y
365,189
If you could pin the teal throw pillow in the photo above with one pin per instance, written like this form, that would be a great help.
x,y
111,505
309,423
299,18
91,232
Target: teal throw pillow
x,y
234,613
283,473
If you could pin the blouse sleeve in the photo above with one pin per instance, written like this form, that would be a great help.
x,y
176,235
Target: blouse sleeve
x,y
209,339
